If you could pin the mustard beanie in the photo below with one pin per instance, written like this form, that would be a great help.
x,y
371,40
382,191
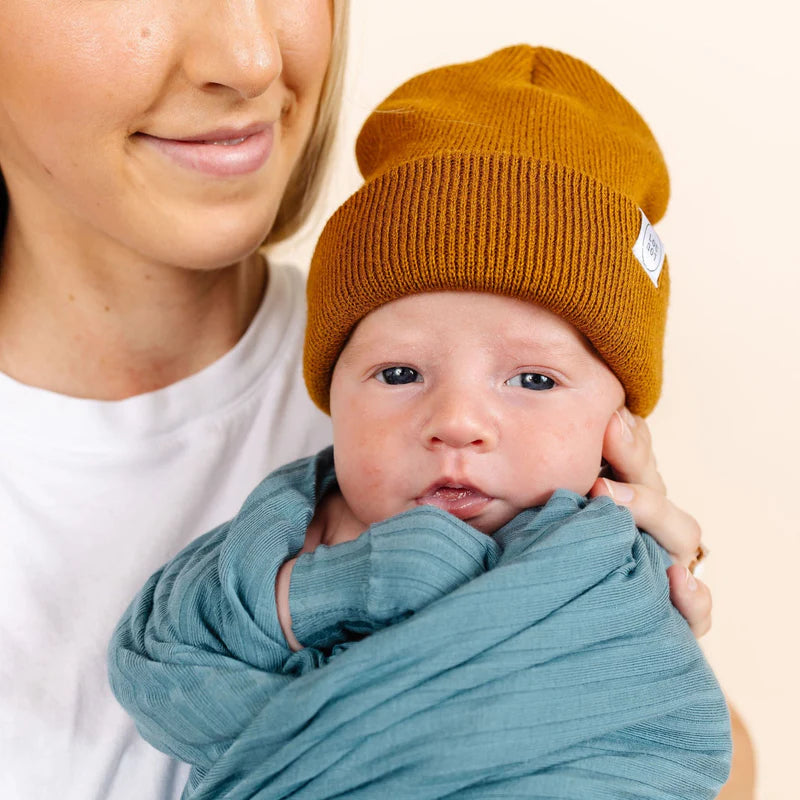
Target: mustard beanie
x,y
525,174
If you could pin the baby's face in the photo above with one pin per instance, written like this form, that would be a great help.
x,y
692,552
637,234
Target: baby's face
x,y
479,404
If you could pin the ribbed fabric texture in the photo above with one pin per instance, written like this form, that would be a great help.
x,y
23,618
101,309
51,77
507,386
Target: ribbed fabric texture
x,y
546,661
381,578
525,174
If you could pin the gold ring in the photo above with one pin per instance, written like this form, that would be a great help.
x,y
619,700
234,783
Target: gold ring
x,y
699,559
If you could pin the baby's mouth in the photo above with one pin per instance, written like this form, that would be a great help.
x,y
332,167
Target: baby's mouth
x,y
464,502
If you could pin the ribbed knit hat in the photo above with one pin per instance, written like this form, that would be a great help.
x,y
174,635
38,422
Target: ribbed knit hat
x,y
524,174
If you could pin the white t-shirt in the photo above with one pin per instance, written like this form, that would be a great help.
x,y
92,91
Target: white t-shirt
x,y
94,497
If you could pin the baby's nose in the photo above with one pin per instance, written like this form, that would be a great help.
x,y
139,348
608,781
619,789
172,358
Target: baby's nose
x,y
460,421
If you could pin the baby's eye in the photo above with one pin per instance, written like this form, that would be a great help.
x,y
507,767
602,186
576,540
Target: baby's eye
x,y
396,376
532,380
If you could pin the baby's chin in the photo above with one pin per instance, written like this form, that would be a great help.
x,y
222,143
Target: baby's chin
x,y
493,519
491,526
504,512
486,514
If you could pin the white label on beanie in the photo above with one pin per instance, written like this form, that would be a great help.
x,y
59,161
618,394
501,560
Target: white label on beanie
x,y
649,250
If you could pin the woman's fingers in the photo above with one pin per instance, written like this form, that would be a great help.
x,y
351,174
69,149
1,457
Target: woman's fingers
x,y
637,484
691,597
628,449
675,530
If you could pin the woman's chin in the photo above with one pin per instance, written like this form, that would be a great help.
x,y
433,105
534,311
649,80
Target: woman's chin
x,y
209,247
219,254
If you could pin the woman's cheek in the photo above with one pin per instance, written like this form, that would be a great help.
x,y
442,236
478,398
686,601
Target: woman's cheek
x,y
304,31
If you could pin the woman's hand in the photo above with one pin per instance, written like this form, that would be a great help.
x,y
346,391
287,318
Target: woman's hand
x,y
628,450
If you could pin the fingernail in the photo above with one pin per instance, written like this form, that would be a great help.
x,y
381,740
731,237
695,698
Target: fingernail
x,y
620,492
691,581
626,422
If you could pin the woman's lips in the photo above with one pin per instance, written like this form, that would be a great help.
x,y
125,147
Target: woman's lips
x,y
464,502
221,153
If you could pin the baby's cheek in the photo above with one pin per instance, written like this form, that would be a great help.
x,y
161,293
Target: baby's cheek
x,y
370,485
587,452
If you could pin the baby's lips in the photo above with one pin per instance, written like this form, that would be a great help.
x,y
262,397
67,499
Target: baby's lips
x,y
463,502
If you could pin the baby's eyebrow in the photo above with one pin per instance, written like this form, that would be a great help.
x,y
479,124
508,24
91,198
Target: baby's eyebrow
x,y
409,343
518,345
555,345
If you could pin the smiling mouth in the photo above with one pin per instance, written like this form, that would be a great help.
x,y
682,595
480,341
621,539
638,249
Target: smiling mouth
x,y
464,502
223,142
221,153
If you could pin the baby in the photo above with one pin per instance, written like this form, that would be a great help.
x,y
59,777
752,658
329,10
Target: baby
x,y
444,613
479,404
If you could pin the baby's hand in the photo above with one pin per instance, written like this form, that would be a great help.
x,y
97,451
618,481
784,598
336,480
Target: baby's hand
x,y
282,582
639,487
396,568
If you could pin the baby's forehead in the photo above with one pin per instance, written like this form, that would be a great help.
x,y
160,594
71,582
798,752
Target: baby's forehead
x,y
430,317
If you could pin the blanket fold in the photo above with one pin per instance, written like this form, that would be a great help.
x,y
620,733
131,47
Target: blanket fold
x,y
544,662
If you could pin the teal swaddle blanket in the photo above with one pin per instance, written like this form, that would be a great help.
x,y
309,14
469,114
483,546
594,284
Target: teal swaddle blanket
x,y
543,662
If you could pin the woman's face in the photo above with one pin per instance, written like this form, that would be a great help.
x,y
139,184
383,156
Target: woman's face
x,y
167,127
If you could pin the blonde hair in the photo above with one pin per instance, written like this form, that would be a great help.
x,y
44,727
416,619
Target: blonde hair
x,y
306,180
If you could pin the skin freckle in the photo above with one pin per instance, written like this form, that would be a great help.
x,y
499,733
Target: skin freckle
x,y
71,298
106,308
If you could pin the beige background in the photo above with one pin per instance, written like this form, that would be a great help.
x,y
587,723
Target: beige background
x,y
719,83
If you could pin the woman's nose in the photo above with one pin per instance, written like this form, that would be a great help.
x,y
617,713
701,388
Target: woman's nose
x,y
233,45
460,420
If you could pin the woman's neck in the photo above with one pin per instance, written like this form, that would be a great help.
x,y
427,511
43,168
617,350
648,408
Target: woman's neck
x,y
83,326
